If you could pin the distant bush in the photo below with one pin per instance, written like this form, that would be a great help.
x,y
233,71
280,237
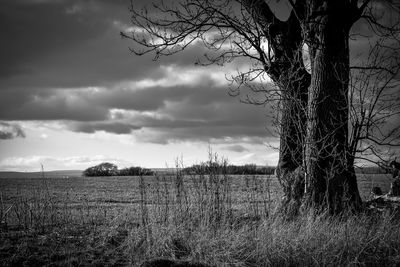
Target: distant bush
x,y
109,169
135,171
103,169
248,169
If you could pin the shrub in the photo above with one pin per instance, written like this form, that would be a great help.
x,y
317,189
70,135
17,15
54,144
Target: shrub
x,y
135,171
109,169
103,169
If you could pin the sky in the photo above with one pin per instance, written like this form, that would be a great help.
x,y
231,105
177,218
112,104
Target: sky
x,y
72,96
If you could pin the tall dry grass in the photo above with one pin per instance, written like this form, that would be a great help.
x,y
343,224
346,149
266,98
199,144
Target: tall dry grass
x,y
199,218
204,218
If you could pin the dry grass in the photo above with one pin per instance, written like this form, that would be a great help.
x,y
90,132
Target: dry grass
x,y
203,218
308,240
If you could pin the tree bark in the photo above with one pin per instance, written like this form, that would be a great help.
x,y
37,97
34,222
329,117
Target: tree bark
x,y
289,73
330,182
290,172
287,70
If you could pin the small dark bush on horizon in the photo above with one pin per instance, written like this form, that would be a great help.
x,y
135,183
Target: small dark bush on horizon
x,y
109,169
135,171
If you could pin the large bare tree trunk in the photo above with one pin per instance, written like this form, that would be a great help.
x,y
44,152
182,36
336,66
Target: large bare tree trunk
x,y
314,164
290,171
290,75
288,72
330,182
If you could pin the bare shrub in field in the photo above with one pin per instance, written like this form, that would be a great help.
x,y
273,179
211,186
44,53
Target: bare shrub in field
x,y
36,211
40,210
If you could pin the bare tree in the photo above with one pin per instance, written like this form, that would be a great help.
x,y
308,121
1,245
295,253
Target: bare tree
x,y
314,166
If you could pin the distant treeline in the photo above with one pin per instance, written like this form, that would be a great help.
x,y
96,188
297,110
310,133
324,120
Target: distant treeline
x,y
248,169
109,169
252,169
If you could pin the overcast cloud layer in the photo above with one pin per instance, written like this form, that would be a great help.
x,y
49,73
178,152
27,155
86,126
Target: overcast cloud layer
x,y
64,62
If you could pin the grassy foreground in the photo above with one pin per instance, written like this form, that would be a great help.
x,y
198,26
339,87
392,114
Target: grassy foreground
x,y
200,218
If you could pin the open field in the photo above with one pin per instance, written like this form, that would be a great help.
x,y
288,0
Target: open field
x,y
125,190
218,220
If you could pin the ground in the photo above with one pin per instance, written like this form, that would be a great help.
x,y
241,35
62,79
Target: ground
x,y
213,220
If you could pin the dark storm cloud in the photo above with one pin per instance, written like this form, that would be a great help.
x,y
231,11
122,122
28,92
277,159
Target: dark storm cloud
x,y
154,98
10,131
192,123
31,29
73,43
200,93
224,121
177,113
33,104
84,105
